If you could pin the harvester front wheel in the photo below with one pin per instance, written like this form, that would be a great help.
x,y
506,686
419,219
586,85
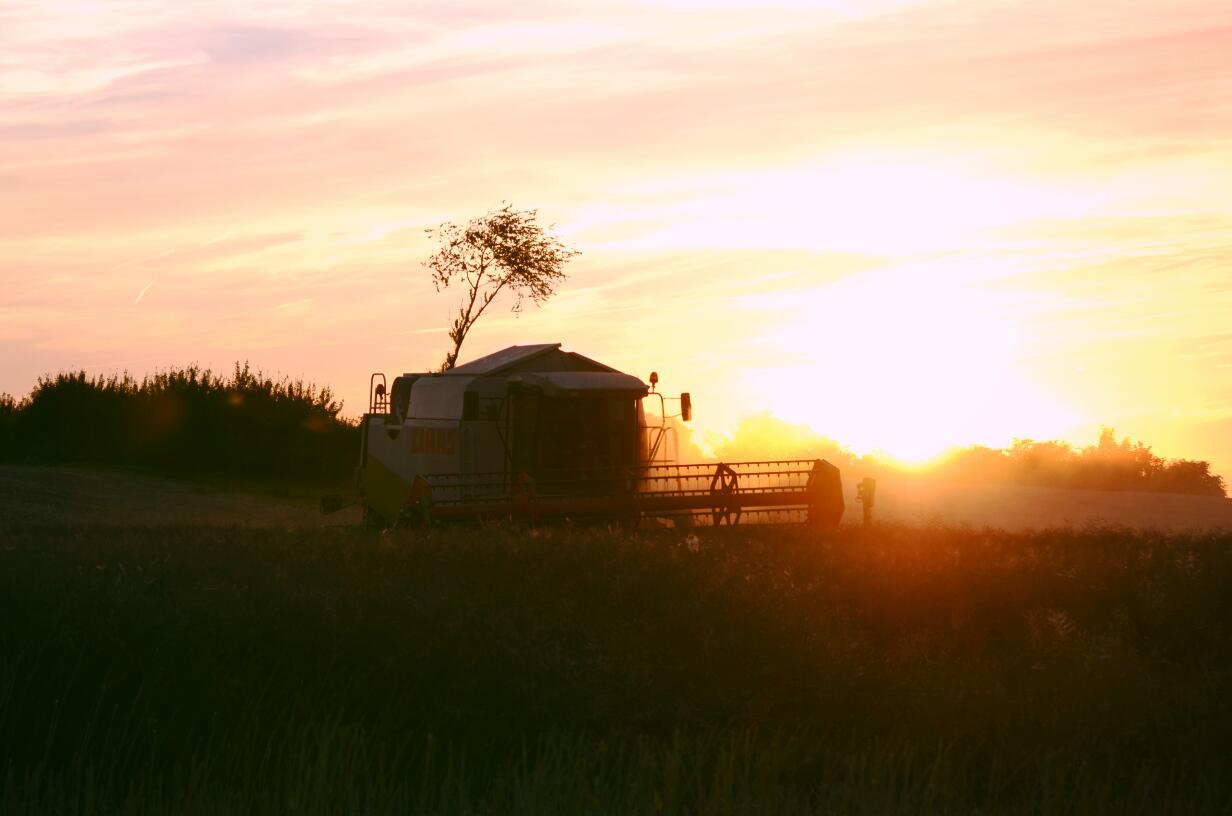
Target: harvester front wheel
x,y
825,491
372,519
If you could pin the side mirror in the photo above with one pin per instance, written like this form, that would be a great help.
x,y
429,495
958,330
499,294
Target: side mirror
x,y
686,406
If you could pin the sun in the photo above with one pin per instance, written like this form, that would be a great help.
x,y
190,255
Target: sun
x,y
908,364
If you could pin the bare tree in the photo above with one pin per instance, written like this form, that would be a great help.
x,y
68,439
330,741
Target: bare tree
x,y
503,250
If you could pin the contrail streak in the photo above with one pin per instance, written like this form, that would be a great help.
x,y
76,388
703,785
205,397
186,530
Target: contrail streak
x,y
143,291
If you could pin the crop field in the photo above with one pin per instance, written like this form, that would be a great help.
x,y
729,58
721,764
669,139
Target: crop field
x,y
499,669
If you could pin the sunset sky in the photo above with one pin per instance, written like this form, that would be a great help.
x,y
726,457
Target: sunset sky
x,y
906,224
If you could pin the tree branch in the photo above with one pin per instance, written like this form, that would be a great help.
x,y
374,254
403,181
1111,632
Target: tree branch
x,y
506,249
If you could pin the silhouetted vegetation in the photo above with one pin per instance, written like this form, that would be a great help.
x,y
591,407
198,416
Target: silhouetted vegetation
x,y
504,251
192,421
182,421
1108,465
496,670
10,410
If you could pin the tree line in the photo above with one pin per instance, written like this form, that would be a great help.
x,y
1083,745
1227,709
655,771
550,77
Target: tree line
x,y
1110,464
190,421
187,420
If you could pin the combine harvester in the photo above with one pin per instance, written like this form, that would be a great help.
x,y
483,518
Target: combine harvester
x,y
535,432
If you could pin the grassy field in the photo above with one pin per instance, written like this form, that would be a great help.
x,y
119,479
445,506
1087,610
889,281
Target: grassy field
x,y
574,670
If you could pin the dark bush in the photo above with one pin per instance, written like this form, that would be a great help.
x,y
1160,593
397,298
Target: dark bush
x,y
184,421
10,410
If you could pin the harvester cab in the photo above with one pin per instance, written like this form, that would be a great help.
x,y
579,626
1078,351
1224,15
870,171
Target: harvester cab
x,y
538,432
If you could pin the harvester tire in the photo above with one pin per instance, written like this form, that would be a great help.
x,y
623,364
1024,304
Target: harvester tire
x,y
372,520
825,489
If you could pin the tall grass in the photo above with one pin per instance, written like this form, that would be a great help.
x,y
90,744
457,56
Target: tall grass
x,y
499,670
185,420
332,768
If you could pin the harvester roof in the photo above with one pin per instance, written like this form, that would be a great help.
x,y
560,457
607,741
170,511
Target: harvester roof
x,y
576,383
539,358
544,367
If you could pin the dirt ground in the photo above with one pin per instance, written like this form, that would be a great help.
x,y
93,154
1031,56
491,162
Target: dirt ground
x,y
1012,507
59,495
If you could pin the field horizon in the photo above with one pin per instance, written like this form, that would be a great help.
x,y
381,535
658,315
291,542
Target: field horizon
x,y
41,495
191,421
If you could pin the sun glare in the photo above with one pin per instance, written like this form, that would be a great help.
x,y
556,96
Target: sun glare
x,y
905,363
924,350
